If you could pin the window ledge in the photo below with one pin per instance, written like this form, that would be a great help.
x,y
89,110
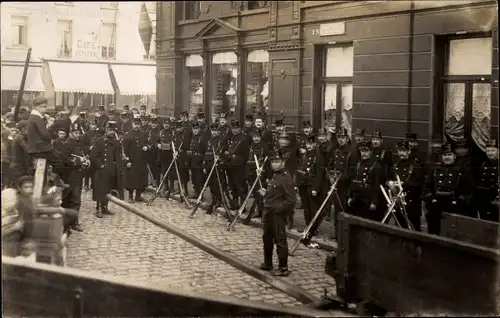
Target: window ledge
x,y
65,4
189,21
254,11
17,47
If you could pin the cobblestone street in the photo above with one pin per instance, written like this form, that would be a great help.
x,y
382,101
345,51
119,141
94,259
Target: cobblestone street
x,y
127,245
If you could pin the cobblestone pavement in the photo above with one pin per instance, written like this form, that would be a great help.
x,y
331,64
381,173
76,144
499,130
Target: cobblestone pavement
x,y
307,266
127,245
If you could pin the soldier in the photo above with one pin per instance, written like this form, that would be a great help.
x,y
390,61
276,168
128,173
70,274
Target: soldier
x,y
364,188
195,155
309,180
126,109
182,141
338,166
75,161
384,158
204,128
249,127
225,130
142,111
135,147
153,140
291,160
88,140
412,176
267,134
102,118
113,113
215,144
412,139
135,112
106,157
126,123
359,137
153,113
82,122
306,133
165,153
450,187
237,154
185,117
325,146
485,199
279,198
260,149
20,164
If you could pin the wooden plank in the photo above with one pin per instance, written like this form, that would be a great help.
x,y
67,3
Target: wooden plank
x,y
41,165
470,230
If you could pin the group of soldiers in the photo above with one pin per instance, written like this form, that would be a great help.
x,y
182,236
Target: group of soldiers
x,y
124,150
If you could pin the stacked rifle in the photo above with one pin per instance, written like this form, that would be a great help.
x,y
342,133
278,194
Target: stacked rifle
x,y
395,197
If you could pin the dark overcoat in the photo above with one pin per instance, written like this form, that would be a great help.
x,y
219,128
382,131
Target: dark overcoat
x,y
106,160
136,176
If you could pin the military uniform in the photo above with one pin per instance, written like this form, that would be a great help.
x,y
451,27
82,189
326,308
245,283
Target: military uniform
x,y
385,160
291,160
136,148
485,199
165,152
249,128
102,119
450,188
218,145
125,125
279,198
88,139
412,176
20,164
237,154
364,188
182,139
153,139
195,155
309,179
106,157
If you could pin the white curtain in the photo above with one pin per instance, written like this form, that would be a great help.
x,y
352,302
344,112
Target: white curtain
x,y
225,58
258,56
194,60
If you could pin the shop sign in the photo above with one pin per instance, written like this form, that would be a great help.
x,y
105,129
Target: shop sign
x,y
88,48
328,29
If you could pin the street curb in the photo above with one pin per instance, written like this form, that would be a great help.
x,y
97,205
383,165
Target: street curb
x,y
326,246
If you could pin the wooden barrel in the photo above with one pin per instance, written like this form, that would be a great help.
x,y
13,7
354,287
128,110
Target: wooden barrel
x,y
409,272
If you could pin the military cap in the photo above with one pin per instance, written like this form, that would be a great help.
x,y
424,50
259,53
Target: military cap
x,y
179,124
306,124
185,113
342,132
40,100
377,134
126,107
112,124
222,115
249,117
411,136
403,145
366,145
195,125
11,125
491,143
446,148
321,132
142,107
277,155
23,123
62,128
311,138
360,132
279,122
259,115
135,109
200,115
25,179
235,123
167,120
214,126
257,132
100,108
137,120
82,114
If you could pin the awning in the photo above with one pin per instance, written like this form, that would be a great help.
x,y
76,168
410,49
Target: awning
x,y
73,77
135,79
12,76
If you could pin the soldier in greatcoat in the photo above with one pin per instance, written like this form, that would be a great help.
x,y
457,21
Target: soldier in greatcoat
x,y
249,127
384,157
217,145
106,158
182,139
165,154
259,149
309,179
153,139
304,136
412,176
450,187
102,118
135,148
364,188
290,158
88,140
485,199
126,123
237,154
195,155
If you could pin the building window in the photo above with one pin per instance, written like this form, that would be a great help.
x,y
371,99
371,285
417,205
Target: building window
x,y
337,87
192,10
223,90
194,88
65,31
107,40
19,30
466,91
257,82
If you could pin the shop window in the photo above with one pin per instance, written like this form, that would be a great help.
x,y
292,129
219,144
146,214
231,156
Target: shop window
x,y
337,87
466,91
257,82
107,40
224,86
19,30
194,88
192,10
65,32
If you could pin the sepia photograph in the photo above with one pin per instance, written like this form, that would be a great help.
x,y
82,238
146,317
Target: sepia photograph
x,y
250,158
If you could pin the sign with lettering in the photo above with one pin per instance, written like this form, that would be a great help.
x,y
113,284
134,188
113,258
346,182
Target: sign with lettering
x,y
335,28
88,48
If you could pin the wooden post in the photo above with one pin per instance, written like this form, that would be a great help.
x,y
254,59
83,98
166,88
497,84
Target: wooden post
x,y
21,89
40,167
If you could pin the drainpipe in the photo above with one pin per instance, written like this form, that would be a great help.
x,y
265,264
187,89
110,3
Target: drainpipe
x,y
410,66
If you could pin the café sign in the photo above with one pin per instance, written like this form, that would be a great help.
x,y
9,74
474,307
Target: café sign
x,y
88,47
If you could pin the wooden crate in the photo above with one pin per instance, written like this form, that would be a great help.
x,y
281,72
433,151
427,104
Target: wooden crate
x,y
410,272
470,230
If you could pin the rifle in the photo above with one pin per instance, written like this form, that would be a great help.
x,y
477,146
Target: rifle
x,y
200,196
182,194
